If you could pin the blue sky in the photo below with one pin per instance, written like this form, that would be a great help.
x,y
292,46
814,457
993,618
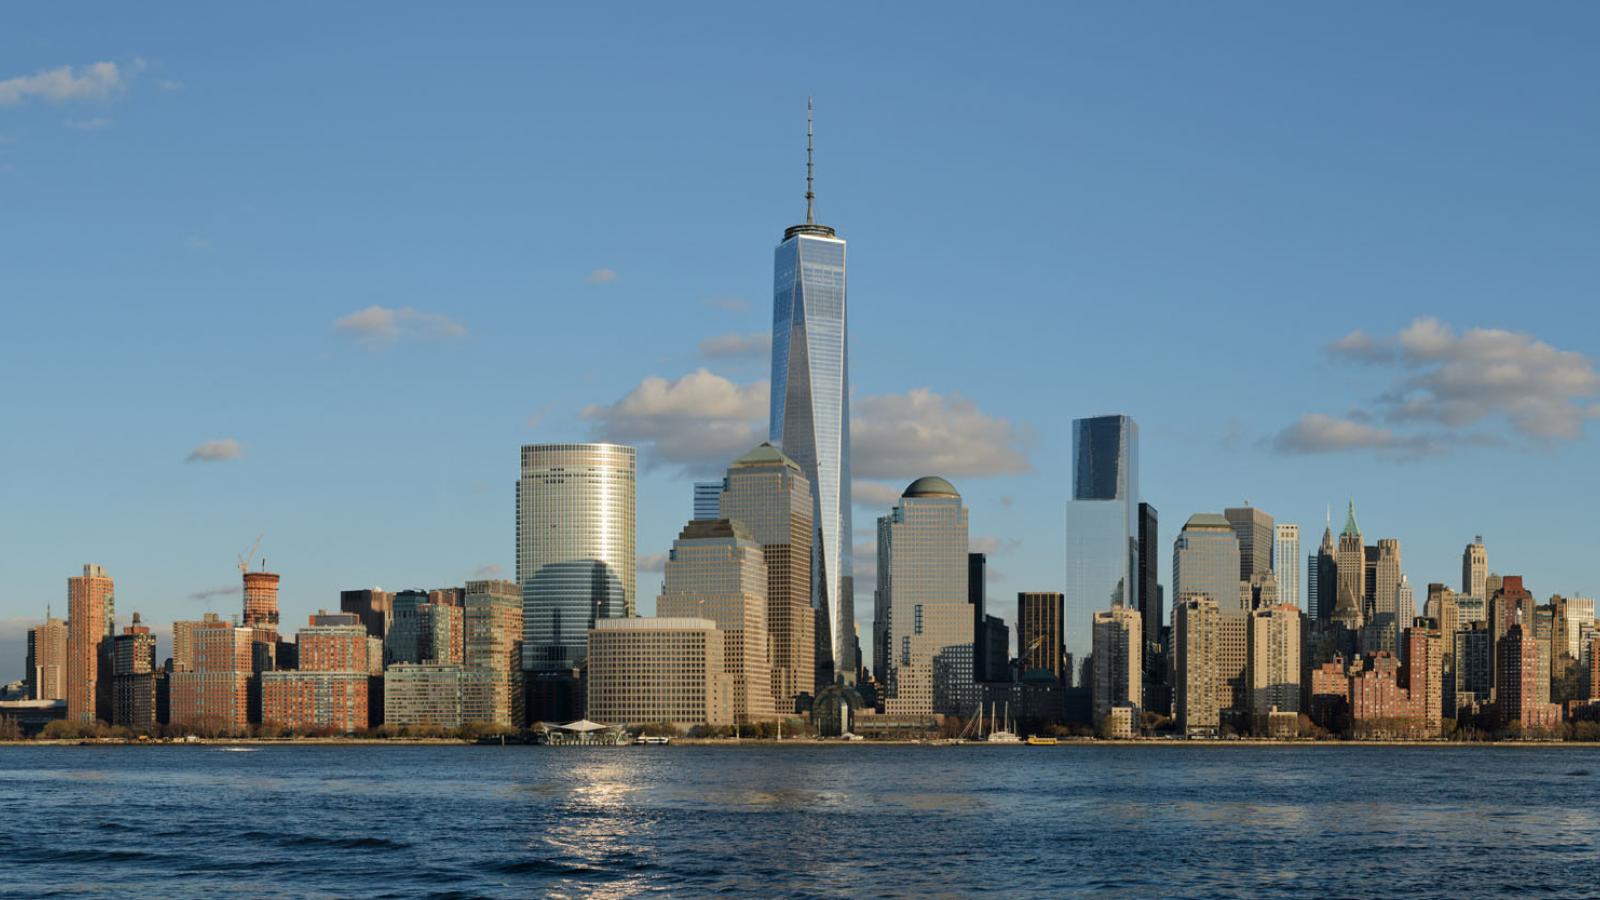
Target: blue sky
x,y
378,249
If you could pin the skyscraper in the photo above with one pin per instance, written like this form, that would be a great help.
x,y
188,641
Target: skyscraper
x,y
493,623
1118,662
374,606
1205,560
716,571
922,584
768,495
810,410
707,499
47,660
1194,665
1274,662
1254,529
1351,561
261,605
1151,612
91,609
1475,569
1323,579
133,680
1039,639
1102,525
575,547
1286,562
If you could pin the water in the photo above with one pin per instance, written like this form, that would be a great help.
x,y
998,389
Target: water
x,y
455,821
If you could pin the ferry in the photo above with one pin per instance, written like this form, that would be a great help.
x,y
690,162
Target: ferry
x,y
1037,741
649,740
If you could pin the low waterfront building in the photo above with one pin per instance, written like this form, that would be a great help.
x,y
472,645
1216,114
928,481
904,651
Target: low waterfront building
x,y
334,702
446,696
644,670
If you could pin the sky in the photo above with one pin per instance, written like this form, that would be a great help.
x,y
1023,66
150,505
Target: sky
x,y
314,272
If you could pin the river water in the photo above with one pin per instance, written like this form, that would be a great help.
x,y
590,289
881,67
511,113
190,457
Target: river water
x,y
857,820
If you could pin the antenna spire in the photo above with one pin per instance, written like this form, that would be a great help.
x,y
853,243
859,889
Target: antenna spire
x,y
810,194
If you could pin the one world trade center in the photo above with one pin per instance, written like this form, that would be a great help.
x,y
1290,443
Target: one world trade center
x,y
811,416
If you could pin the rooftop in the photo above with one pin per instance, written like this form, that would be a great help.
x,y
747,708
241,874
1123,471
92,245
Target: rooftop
x,y
930,486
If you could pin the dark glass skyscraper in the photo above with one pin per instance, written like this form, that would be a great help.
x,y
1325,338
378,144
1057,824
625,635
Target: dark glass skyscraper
x,y
1149,579
1102,525
811,414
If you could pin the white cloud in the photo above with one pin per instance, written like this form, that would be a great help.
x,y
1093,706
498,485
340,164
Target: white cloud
x,y
488,570
167,84
216,451
994,546
699,423
1456,381
652,562
906,436
98,123
601,276
59,85
381,324
875,495
230,590
1319,433
734,345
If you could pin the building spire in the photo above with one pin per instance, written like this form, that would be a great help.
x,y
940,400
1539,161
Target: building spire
x,y
1350,526
811,195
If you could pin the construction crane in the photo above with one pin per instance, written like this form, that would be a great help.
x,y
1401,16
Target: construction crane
x,y
244,559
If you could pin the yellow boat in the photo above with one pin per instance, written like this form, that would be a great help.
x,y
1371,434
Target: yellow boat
x,y
1036,741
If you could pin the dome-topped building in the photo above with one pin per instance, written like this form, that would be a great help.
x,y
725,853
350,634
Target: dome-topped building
x,y
931,486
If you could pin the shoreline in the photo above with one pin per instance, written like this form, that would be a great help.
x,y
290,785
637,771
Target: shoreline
x,y
1068,743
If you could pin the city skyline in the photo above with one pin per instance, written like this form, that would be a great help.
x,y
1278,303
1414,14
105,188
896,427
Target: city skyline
x,y
355,348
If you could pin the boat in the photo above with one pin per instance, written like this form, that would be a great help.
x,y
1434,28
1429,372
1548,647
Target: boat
x,y
1037,741
652,740
1005,735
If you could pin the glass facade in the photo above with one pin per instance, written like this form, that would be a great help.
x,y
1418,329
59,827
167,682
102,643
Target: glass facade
x,y
1286,562
1205,560
811,421
575,547
1102,525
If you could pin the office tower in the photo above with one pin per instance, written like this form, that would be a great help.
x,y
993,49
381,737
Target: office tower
x,y
1286,562
1274,662
1039,640
1387,578
1543,628
1510,604
708,499
658,670
1475,569
575,547
1422,674
990,637
1194,664
768,495
261,605
374,606
1151,612
1205,560
1102,524
1349,604
402,643
1443,606
1254,530
1473,663
213,696
133,678
494,644
716,571
1576,619
1118,662
1491,584
91,608
922,580
1324,580
810,408
47,660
